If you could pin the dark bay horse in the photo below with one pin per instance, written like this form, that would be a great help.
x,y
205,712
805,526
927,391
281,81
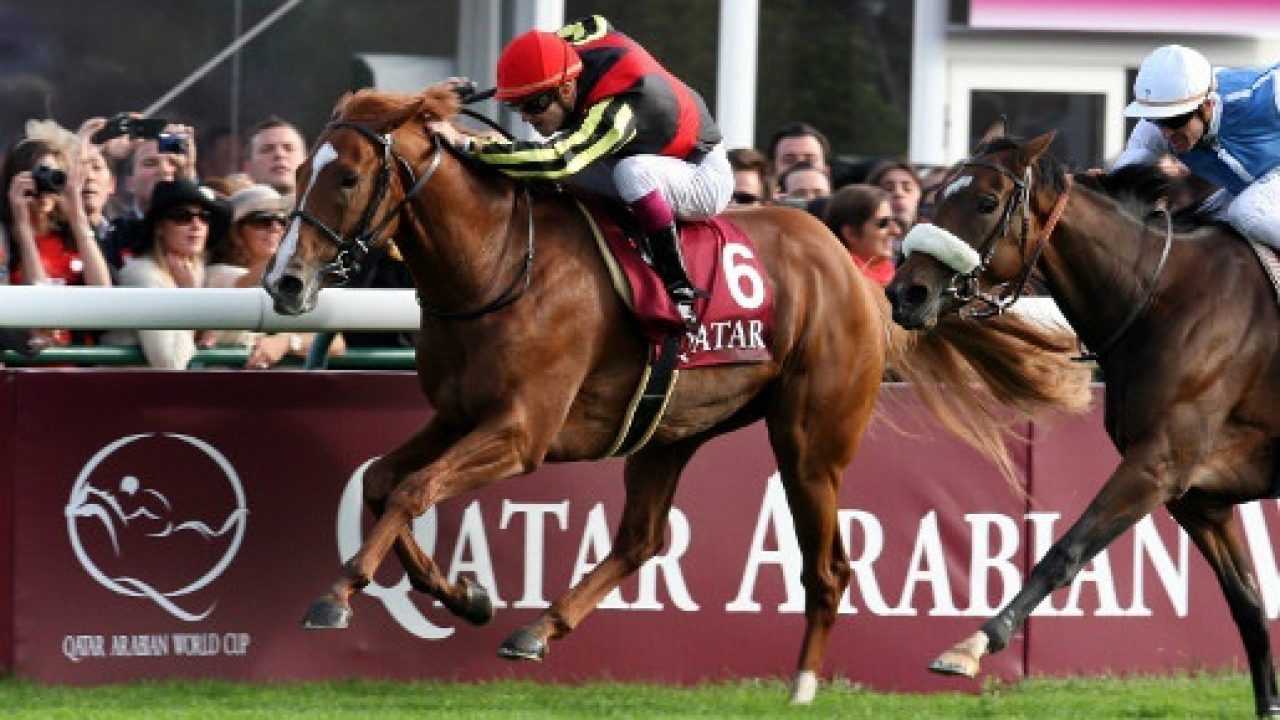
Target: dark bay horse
x,y
1184,325
527,355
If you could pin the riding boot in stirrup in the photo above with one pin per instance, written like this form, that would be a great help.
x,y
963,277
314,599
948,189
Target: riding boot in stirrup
x,y
664,246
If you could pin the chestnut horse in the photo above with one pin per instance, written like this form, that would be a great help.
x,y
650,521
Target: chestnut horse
x,y
1184,328
530,357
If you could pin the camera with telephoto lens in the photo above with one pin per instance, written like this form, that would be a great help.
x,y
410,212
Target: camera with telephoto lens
x,y
48,179
171,143
134,127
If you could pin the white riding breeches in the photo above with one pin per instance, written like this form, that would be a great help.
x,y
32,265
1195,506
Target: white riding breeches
x,y
694,192
1255,212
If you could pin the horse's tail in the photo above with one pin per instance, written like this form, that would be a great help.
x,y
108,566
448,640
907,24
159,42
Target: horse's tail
x,y
969,373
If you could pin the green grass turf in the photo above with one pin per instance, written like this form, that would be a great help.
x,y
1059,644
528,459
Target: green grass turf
x,y
1198,696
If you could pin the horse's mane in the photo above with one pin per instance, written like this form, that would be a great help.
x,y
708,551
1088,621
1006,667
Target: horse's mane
x,y
968,374
384,110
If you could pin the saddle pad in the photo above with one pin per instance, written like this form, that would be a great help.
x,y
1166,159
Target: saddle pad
x,y
1270,264
734,326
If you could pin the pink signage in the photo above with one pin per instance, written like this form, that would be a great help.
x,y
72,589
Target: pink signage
x,y
178,524
1247,18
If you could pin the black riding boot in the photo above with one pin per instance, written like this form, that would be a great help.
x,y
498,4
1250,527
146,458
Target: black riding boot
x,y
664,247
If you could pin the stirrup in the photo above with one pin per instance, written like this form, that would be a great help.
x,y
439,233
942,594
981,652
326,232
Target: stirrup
x,y
685,309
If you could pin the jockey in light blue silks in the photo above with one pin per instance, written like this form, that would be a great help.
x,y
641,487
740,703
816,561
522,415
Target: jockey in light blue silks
x,y
1223,124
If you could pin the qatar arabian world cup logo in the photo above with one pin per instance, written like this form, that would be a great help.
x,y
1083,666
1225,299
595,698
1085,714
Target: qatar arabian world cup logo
x,y
158,516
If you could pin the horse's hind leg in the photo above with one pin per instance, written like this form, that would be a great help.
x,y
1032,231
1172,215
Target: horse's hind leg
x,y
813,445
1216,534
650,478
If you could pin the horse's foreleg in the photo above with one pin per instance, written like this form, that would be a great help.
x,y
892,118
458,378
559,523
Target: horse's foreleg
x,y
650,478
473,460
1216,534
1137,486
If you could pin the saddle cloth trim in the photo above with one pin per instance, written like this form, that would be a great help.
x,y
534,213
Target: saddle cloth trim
x,y
1270,264
657,382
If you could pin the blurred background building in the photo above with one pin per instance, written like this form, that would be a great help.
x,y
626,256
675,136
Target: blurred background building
x,y
880,78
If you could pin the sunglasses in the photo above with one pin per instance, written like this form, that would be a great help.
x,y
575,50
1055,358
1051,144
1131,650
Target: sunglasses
x,y
265,220
883,222
184,216
1176,122
534,104
745,198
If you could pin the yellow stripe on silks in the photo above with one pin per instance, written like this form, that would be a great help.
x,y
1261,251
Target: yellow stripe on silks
x,y
615,136
577,32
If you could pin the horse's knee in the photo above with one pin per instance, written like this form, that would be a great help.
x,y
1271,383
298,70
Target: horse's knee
x,y
633,555
378,480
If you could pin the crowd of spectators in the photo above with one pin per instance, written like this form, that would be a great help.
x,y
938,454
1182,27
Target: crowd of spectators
x,y
120,203
131,201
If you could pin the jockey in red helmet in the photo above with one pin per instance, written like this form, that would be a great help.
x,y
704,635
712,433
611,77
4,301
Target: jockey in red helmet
x,y
617,124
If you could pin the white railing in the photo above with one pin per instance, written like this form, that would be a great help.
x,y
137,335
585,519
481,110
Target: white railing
x,y
101,308
248,309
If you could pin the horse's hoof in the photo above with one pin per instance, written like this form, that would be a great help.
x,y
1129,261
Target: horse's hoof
x,y
523,645
804,688
947,664
479,609
963,657
327,614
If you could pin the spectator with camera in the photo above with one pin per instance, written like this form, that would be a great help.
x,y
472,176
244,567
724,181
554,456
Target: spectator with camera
x,y
275,150
178,221
259,217
161,151
44,215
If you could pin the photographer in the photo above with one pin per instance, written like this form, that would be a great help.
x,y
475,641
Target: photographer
x,y
160,151
44,214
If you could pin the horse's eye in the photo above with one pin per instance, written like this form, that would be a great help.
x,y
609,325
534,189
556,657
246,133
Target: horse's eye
x,y
349,179
987,203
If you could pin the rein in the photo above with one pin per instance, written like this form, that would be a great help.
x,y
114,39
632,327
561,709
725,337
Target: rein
x,y
353,249
1138,309
966,287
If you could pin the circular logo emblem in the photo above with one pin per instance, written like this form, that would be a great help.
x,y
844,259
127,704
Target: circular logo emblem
x,y
159,516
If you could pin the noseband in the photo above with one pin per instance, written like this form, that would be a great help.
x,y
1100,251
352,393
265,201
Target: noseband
x,y
966,287
353,249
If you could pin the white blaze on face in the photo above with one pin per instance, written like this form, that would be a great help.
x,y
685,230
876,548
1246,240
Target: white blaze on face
x,y
289,243
956,185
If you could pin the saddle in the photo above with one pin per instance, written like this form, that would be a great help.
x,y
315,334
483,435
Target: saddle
x,y
734,324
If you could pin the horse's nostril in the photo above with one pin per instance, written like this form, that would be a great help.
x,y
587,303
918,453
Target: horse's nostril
x,y
290,285
915,295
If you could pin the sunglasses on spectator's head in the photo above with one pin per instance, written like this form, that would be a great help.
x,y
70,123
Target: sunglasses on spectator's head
x,y
745,198
182,216
1176,122
534,104
265,219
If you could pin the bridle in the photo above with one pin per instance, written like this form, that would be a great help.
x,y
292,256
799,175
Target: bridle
x,y
355,247
966,287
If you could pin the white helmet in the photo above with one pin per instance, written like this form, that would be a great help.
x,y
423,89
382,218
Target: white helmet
x,y
1172,80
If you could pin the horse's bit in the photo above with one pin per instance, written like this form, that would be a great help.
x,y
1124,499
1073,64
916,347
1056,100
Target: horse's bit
x,y
965,287
353,249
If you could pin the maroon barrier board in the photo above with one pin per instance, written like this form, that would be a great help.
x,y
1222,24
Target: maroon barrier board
x,y
178,524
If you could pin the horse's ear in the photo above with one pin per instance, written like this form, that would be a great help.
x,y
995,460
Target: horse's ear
x,y
1035,147
998,128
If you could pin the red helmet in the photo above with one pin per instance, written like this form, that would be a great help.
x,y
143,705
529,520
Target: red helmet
x,y
536,61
